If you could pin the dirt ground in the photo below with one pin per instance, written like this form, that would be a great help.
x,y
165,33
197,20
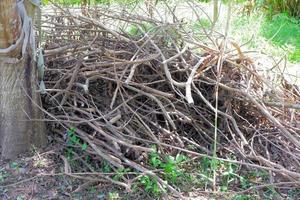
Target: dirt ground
x,y
41,176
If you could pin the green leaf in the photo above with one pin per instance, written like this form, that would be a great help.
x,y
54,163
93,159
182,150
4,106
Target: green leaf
x,y
224,188
71,131
214,164
168,168
84,146
14,165
73,139
180,158
171,160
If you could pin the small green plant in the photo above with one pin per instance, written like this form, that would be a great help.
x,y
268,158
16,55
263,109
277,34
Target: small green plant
x,y
76,146
170,165
105,167
227,175
245,182
205,1
113,195
206,170
150,185
106,2
120,173
92,189
74,140
170,168
155,159
3,175
270,193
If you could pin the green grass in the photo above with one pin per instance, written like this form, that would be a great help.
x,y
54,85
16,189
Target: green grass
x,y
202,23
284,31
277,36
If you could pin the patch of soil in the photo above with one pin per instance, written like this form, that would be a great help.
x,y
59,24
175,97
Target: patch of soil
x,y
40,176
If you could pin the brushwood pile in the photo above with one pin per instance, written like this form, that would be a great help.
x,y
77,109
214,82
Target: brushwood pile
x,y
120,87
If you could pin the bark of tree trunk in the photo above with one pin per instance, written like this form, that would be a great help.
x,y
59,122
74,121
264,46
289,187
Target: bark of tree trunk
x,y
20,114
216,11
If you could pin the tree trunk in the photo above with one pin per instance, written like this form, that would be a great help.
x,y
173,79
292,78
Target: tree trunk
x,y
21,126
216,11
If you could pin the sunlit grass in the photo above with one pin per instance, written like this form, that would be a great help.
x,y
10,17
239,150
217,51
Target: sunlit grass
x,y
279,36
284,31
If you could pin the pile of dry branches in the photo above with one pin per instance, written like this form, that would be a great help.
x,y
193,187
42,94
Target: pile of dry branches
x,y
122,92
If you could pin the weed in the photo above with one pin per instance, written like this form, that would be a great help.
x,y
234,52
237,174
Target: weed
x,y
245,183
172,169
120,173
155,159
270,193
170,166
3,175
76,146
150,185
105,167
74,140
92,189
113,195
228,176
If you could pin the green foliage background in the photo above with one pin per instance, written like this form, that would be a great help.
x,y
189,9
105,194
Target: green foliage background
x,y
273,7
284,31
